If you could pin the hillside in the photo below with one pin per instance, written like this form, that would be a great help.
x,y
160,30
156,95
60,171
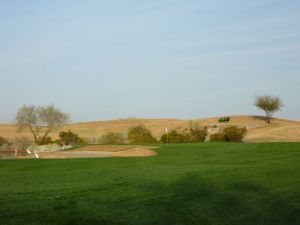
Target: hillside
x,y
258,130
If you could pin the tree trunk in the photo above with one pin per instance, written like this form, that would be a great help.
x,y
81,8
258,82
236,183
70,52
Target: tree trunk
x,y
268,117
34,134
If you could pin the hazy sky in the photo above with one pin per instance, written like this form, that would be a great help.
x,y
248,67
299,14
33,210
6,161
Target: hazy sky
x,y
101,60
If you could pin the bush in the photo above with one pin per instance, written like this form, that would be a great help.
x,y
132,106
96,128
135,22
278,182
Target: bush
x,y
140,135
230,134
217,137
197,135
234,134
69,138
3,141
112,138
192,136
44,141
173,137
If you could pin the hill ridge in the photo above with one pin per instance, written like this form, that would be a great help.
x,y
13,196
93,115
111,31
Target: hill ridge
x,y
280,129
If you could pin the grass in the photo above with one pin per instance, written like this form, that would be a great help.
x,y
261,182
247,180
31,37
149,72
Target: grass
x,y
209,184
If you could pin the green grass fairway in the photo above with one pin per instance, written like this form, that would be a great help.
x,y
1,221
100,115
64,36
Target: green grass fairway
x,y
203,184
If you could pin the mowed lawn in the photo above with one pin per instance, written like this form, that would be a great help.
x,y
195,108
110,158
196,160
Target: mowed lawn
x,y
203,184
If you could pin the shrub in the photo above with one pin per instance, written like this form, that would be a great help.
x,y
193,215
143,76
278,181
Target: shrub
x,y
234,134
173,137
230,134
217,137
44,141
192,136
3,141
112,138
140,135
197,135
69,138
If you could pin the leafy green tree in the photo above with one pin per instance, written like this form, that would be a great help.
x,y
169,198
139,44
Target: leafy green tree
x,y
140,135
268,104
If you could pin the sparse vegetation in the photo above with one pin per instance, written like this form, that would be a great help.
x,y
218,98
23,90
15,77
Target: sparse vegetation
x,y
3,141
21,143
4,144
269,105
112,138
140,135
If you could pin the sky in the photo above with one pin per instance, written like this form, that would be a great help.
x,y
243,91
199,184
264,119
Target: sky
x,y
103,60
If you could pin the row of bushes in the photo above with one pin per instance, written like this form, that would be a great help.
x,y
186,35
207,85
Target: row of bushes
x,y
141,135
65,138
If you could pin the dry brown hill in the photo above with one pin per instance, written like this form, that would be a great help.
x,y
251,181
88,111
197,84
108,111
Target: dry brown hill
x,y
280,130
258,130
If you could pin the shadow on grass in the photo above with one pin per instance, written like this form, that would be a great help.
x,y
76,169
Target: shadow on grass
x,y
194,200
191,200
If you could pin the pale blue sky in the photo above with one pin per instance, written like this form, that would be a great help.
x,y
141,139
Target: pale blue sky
x,y
101,60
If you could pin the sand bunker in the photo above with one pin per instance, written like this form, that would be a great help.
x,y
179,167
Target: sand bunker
x,y
99,151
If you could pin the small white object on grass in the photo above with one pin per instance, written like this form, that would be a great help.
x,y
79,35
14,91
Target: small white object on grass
x,y
36,155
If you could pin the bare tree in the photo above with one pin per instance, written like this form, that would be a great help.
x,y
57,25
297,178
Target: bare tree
x,y
41,121
28,117
268,104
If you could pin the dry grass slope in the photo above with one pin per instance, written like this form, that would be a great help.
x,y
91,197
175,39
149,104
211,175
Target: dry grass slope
x,y
258,130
